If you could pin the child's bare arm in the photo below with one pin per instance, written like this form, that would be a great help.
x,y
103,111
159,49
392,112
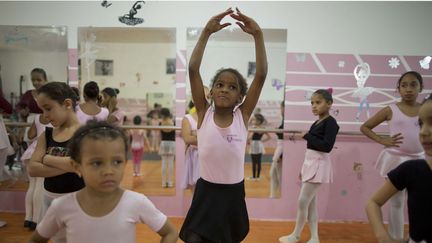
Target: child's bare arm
x,y
198,96
36,167
373,210
381,116
31,133
249,26
168,233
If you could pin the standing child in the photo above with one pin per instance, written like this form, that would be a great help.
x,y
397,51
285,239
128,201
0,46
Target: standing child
x,y
116,116
102,211
218,212
90,109
189,134
416,177
34,194
167,148
403,143
317,166
137,145
276,166
257,146
51,156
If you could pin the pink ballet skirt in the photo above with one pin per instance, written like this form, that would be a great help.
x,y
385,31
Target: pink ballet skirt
x,y
191,175
390,158
317,167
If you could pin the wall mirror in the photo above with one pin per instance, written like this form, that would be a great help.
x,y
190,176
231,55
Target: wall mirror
x,y
140,63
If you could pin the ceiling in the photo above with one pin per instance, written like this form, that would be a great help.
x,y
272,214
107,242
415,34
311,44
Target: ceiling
x,y
33,38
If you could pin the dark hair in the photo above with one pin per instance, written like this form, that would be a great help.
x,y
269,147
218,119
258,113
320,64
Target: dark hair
x,y
415,74
59,92
111,92
191,104
77,93
260,118
40,71
91,90
240,79
95,130
165,112
325,94
137,120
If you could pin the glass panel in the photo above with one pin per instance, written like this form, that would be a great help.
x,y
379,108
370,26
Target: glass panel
x,y
22,49
140,64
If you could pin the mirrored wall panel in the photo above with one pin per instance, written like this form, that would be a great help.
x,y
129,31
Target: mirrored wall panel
x,y
24,48
139,65
234,48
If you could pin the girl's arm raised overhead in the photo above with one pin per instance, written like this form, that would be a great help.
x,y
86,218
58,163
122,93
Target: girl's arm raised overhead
x,y
198,96
249,26
381,116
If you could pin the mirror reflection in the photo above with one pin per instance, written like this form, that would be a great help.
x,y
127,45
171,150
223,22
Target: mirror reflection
x,y
135,71
233,48
30,56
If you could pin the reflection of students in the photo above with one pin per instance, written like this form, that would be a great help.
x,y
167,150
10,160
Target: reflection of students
x,y
257,146
167,148
138,139
276,166
317,167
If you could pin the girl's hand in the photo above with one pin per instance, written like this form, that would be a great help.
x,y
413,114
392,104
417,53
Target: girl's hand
x,y
214,25
392,141
246,23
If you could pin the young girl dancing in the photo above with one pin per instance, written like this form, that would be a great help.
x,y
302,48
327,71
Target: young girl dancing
x,y
102,211
416,177
218,212
317,167
403,143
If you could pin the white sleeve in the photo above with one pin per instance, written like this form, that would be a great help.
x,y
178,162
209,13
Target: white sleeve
x,y
150,215
50,223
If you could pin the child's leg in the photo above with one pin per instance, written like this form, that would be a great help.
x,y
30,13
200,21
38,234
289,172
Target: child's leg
x,y
307,193
29,199
170,162
313,218
396,216
275,178
3,157
38,196
164,170
259,165
254,158
141,152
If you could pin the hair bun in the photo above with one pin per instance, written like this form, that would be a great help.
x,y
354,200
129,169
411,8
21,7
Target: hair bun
x,y
330,90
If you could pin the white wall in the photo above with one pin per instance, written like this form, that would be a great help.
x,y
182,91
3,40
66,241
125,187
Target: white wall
x,y
17,63
147,59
